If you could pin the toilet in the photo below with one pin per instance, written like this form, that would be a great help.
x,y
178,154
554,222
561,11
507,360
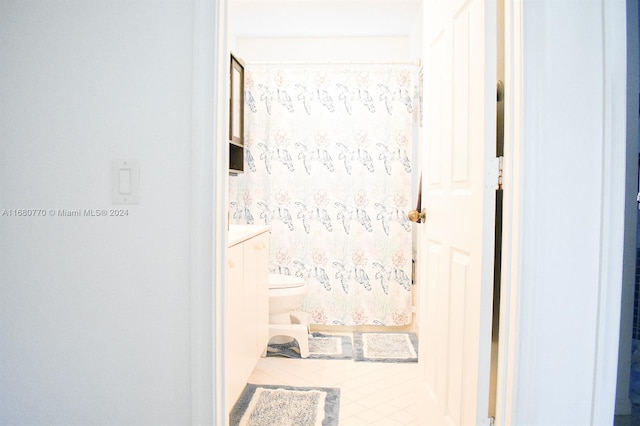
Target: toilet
x,y
286,292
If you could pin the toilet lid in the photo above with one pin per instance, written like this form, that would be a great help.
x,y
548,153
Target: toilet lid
x,y
284,281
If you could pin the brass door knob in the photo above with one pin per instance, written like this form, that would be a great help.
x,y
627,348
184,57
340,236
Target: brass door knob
x,y
416,216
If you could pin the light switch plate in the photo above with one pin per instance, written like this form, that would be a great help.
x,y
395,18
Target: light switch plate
x,y
125,182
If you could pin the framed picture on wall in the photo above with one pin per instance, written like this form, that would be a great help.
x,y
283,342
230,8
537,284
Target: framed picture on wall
x,y
236,102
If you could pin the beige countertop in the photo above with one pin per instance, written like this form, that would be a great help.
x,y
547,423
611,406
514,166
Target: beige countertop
x,y
240,233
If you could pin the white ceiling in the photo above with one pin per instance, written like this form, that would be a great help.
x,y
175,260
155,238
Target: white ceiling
x,y
324,18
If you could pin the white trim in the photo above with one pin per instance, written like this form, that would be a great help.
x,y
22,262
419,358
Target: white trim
x,y
206,195
220,211
512,213
613,200
522,131
221,189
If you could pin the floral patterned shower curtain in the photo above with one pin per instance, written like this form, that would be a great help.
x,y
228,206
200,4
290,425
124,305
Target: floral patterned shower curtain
x,y
328,166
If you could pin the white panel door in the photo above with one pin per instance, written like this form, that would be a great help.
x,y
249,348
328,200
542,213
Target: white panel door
x,y
458,192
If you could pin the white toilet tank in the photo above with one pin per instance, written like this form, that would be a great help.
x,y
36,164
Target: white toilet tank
x,y
286,292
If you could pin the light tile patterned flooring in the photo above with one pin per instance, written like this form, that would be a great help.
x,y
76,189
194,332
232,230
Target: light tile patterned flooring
x,y
371,393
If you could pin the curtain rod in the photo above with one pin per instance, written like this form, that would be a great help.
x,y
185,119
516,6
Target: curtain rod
x,y
417,62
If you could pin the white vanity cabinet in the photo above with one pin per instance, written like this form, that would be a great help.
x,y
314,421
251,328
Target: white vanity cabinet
x,y
247,308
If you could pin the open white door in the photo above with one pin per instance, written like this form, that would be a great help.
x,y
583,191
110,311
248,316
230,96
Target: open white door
x,y
458,190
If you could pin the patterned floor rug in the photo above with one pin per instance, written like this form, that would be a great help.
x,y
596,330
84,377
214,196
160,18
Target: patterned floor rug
x,y
385,347
321,346
265,405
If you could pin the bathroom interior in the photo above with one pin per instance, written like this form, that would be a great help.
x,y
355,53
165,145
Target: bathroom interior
x,y
325,169
334,209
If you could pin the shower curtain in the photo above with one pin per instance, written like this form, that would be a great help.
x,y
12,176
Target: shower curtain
x,y
328,166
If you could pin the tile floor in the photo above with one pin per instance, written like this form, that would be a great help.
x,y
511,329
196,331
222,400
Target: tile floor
x,y
371,393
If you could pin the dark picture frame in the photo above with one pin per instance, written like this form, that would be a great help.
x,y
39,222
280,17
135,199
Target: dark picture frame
x,y
236,102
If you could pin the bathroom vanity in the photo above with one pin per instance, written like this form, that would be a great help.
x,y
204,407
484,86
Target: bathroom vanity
x,y
247,304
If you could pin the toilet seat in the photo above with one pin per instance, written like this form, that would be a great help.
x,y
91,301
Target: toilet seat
x,y
279,281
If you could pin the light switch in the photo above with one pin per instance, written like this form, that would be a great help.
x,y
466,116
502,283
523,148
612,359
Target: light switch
x,y
125,182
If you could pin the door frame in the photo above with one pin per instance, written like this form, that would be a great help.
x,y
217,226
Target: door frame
x,y
208,207
520,127
208,214
512,211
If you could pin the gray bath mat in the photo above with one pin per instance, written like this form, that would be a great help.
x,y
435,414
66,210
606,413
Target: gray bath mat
x,y
268,405
385,347
321,346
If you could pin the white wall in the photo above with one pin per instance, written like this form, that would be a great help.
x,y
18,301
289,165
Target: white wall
x,y
324,49
94,312
325,31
